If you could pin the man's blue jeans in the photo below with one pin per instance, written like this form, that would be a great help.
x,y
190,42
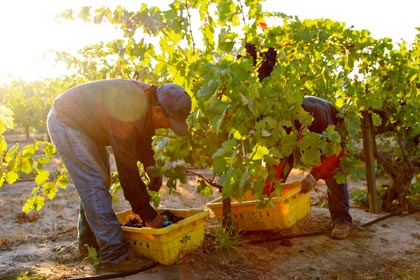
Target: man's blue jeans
x,y
88,165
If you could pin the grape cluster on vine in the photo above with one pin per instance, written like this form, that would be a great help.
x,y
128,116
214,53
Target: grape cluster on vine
x,y
269,59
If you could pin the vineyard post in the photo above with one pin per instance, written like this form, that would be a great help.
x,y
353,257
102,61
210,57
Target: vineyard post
x,y
368,149
227,212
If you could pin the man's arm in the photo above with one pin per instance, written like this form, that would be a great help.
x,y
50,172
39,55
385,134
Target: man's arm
x,y
145,155
325,170
135,191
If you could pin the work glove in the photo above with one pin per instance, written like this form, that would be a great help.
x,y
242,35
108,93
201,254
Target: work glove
x,y
308,183
155,179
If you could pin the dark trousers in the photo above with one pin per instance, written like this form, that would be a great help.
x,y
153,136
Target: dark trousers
x,y
338,196
338,202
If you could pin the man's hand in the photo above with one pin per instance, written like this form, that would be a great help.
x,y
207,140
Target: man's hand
x,y
155,180
308,183
157,222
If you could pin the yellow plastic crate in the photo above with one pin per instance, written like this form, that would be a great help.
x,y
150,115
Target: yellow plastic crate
x,y
169,244
291,207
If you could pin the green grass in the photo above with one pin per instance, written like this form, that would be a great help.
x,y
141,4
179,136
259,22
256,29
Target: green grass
x,y
227,238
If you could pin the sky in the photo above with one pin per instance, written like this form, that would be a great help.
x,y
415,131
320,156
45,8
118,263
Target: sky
x,y
29,32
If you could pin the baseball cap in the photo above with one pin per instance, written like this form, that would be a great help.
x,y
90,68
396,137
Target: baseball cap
x,y
176,104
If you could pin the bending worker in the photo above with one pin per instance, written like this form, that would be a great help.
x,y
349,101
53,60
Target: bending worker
x,y
324,114
122,114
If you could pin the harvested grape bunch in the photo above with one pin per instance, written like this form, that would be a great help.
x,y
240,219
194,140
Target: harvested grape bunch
x,y
133,222
171,218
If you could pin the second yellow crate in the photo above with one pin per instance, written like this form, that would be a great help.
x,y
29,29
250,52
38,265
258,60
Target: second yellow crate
x,y
291,207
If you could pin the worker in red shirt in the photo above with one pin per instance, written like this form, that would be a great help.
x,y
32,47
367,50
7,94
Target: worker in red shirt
x,y
324,114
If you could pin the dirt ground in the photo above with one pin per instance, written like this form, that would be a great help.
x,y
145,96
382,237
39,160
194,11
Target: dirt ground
x,y
45,243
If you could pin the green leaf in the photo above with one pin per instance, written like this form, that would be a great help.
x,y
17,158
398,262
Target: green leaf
x,y
41,177
26,165
332,134
3,144
228,181
28,150
93,256
340,177
311,156
259,152
236,134
288,143
171,184
226,46
62,181
49,189
220,109
154,198
11,153
226,149
33,203
49,150
219,165
204,189
43,160
310,139
11,177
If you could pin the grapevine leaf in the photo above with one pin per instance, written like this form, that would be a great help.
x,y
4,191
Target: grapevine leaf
x,y
49,189
93,255
309,139
43,160
311,156
217,122
26,165
28,150
288,143
154,198
243,180
33,203
41,177
11,177
62,181
11,153
171,184
219,165
3,144
204,189
259,152
226,148
49,150
332,134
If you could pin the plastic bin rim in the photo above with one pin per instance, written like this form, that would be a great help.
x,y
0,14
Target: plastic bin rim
x,y
201,213
289,194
